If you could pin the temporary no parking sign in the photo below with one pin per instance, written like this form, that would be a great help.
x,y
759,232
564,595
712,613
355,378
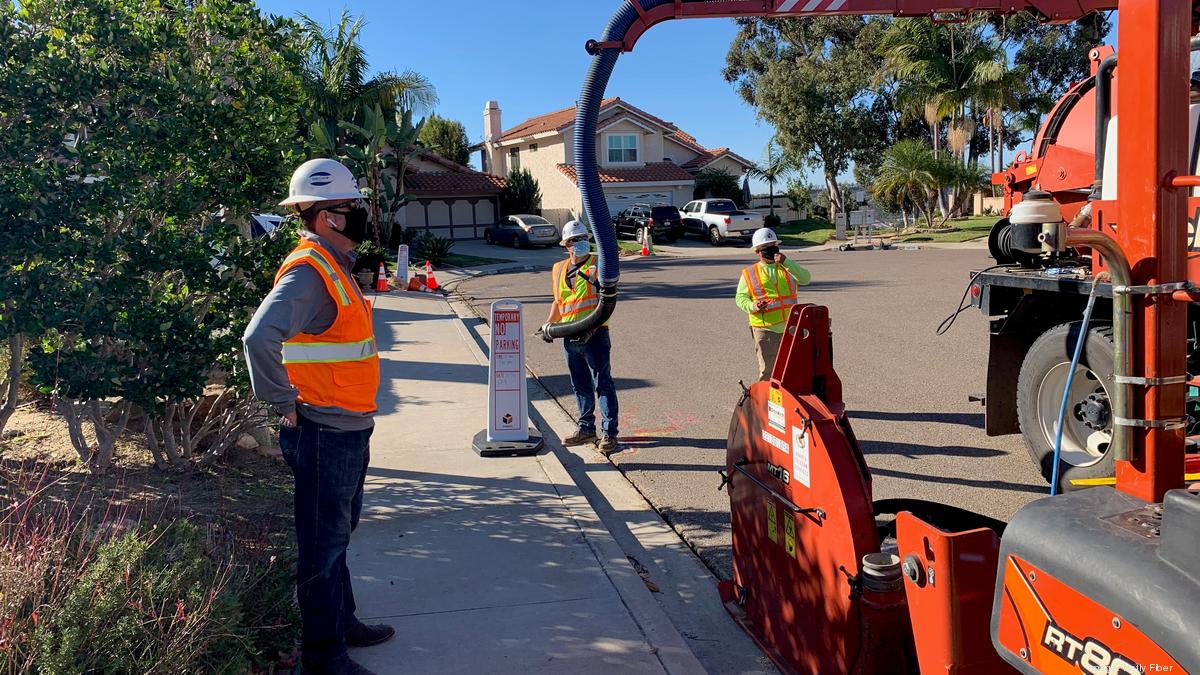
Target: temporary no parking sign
x,y
508,398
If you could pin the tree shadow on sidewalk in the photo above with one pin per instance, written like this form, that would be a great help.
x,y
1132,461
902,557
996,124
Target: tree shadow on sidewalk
x,y
499,558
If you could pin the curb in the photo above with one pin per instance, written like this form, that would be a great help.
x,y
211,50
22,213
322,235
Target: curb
x,y
660,633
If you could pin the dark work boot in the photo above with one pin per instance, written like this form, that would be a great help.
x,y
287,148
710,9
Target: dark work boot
x,y
580,438
363,635
607,443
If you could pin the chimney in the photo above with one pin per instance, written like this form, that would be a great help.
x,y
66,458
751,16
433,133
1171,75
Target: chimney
x,y
491,135
491,121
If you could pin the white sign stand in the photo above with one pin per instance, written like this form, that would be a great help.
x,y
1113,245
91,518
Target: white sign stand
x,y
507,433
402,266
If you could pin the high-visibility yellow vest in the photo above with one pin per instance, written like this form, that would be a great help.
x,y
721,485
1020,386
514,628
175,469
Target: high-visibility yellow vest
x,y
577,301
781,295
340,367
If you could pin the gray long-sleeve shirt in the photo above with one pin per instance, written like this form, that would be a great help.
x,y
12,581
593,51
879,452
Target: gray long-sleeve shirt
x,y
299,303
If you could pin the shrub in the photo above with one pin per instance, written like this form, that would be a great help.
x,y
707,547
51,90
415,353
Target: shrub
x,y
147,604
86,591
521,193
717,183
433,248
773,221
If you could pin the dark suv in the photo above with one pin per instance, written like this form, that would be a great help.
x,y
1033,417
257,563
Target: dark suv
x,y
664,221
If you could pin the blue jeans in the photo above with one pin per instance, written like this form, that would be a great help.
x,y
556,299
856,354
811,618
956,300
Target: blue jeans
x,y
591,376
330,468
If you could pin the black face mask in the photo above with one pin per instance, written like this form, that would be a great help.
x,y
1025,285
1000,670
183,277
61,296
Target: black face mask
x,y
356,223
768,254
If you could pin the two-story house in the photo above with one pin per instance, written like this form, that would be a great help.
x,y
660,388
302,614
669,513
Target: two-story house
x,y
642,158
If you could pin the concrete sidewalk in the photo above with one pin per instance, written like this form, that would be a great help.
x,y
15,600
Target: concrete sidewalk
x,y
484,565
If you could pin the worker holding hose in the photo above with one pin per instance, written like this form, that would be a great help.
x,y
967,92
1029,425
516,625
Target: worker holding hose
x,y
588,355
767,292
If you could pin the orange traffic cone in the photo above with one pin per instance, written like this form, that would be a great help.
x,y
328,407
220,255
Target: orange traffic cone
x,y
645,241
430,280
381,284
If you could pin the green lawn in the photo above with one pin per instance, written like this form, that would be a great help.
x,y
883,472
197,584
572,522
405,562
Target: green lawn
x,y
965,229
805,232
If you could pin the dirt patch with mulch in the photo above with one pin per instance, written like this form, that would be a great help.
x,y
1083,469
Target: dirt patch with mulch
x,y
246,491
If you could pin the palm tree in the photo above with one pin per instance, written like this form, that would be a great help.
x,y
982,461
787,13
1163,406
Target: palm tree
x,y
947,71
909,173
334,77
776,165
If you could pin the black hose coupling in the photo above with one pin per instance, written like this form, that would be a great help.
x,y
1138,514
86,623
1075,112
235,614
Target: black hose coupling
x,y
608,303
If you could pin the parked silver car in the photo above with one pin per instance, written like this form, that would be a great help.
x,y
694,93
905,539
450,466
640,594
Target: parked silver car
x,y
521,231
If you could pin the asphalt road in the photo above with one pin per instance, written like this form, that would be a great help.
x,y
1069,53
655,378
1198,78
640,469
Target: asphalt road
x,y
680,345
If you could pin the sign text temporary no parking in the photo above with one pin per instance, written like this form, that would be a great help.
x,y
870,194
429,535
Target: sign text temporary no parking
x,y
507,431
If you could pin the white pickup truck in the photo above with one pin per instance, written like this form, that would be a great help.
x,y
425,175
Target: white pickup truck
x,y
718,220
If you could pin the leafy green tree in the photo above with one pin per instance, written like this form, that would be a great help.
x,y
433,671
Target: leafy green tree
x,y
775,166
811,78
378,152
521,193
1049,58
335,81
446,138
799,196
717,183
120,145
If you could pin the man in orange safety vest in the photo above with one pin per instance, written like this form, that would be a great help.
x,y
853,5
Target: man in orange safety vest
x,y
312,358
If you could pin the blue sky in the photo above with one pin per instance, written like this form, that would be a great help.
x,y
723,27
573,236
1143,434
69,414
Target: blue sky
x,y
528,55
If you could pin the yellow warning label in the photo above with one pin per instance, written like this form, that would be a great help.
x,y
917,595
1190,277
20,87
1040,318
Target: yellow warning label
x,y
776,396
772,524
1030,170
789,531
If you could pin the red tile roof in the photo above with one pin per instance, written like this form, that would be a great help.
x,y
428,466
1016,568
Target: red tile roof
x,y
657,172
450,183
688,141
549,122
711,155
561,119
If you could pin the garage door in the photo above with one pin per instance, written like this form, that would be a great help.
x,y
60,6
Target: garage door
x,y
619,201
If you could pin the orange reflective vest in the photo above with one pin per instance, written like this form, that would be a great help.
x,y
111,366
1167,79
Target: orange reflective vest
x,y
578,301
780,296
340,367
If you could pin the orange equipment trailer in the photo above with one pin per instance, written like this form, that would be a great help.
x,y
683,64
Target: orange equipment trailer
x,y
1097,580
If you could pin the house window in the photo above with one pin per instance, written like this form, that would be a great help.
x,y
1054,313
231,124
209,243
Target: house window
x,y
622,149
533,147
514,159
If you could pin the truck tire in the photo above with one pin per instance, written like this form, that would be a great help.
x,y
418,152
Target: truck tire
x,y
1087,429
714,236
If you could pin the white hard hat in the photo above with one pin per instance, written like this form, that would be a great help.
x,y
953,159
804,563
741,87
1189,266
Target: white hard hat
x,y
763,236
573,229
321,180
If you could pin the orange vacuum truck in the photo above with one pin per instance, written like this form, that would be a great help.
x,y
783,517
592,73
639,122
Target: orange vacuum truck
x,y
1102,580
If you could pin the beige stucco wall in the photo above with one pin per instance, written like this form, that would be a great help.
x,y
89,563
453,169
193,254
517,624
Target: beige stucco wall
x,y
650,144
560,199
729,166
677,153
418,164
543,163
